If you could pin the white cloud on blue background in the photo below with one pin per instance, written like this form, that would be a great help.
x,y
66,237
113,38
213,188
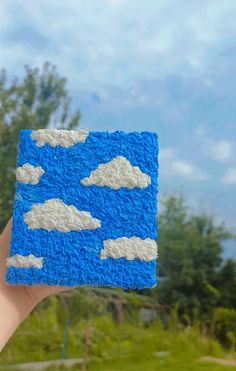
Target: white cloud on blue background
x,y
55,215
29,174
117,173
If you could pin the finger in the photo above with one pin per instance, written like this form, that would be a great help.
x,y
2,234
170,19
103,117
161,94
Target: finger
x,y
39,292
57,289
4,248
6,234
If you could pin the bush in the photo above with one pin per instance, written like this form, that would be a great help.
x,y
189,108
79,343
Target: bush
x,y
224,326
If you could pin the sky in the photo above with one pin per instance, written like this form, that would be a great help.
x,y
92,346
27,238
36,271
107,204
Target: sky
x,y
135,65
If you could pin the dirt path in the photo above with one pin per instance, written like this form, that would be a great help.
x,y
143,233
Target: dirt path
x,y
38,366
220,361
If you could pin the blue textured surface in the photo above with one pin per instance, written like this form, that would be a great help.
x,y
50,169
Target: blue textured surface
x,y
73,258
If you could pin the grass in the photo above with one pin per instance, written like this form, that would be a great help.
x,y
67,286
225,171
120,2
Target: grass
x,y
127,347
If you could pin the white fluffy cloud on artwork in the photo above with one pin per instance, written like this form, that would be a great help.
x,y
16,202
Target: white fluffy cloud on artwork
x,y
130,248
29,174
117,173
63,138
20,261
55,215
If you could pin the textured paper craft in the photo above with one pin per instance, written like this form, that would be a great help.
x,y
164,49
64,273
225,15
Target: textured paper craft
x,y
85,209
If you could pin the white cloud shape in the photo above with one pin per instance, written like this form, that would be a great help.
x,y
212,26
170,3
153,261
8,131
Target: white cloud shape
x,y
173,165
116,174
29,174
182,168
219,150
55,137
230,176
166,154
55,215
130,248
188,170
20,261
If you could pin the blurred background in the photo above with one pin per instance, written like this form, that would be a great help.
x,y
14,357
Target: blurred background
x,y
164,66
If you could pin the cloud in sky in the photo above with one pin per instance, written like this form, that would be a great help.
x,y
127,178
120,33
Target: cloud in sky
x,y
172,165
117,173
55,215
230,176
220,150
120,38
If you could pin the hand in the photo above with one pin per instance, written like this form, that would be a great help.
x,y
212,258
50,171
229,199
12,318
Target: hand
x,y
16,302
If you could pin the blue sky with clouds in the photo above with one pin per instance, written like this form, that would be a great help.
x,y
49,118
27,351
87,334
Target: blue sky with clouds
x,y
138,65
113,213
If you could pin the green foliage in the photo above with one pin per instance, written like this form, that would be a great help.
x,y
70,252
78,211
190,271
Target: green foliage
x,y
224,326
38,100
41,336
190,249
226,282
81,304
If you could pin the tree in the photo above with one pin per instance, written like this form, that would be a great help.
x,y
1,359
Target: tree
x,y
226,281
190,259
36,101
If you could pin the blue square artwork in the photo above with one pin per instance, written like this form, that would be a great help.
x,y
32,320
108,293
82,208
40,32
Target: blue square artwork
x,y
85,209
